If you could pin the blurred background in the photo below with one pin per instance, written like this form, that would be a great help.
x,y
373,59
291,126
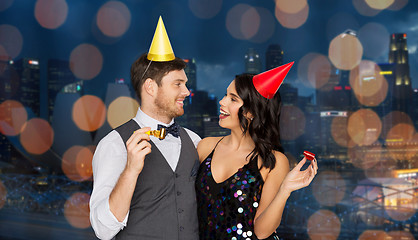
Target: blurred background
x,y
351,98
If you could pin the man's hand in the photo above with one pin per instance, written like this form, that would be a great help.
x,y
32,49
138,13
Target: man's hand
x,y
137,148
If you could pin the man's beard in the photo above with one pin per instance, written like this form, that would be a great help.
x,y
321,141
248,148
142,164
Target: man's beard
x,y
166,108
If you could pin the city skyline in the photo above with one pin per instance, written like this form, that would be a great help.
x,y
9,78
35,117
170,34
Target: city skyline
x,y
218,50
350,98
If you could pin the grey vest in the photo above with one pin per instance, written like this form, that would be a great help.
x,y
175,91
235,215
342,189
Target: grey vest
x,y
163,205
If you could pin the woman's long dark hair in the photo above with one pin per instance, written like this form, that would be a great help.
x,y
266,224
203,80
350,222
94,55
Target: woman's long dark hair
x,y
264,128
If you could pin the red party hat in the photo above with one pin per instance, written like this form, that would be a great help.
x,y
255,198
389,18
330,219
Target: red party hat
x,y
267,83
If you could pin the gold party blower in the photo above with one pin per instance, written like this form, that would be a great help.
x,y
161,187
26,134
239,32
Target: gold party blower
x,y
157,133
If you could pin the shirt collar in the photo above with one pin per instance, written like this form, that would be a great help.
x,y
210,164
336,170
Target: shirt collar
x,y
146,121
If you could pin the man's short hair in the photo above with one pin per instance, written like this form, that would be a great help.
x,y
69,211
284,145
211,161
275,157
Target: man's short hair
x,y
156,71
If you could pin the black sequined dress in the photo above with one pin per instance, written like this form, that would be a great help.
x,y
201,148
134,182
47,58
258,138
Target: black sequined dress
x,y
226,210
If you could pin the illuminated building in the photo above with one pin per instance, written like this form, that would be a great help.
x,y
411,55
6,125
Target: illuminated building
x,y
252,61
212,128
59,75
29,89
398,55
414,112
199,106
387,70
336,94
274,56
11,160
191,74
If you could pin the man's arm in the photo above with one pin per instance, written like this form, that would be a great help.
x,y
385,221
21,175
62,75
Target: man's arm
x,y
137,148
109,165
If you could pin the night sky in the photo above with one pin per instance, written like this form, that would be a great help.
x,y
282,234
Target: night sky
x,y
203,34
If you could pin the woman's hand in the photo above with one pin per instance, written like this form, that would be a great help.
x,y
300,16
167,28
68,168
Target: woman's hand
x,y
297,179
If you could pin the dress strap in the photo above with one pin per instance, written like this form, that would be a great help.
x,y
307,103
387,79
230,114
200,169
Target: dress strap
x,y
213,150
218,143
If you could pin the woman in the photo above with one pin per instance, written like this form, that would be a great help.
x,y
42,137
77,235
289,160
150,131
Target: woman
x,y
243,180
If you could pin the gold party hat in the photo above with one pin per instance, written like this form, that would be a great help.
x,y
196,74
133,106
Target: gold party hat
x,y
160,49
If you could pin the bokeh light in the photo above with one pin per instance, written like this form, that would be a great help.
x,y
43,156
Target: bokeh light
x,y
401,141
250,22
86,61
364,9
328,188
319,71
89,113
76,163
12,117
324,225
403,235
121,110
292,122
291,6
345,51
113,19
3,195
4,56
369,86
374,38
373,234
340,22
11,39
84,162
392,119
377,98
205,9
303,67
51,14
266,27
37,136
292,20
398,5
383,166
364,127
5,4
411,149
401,132
77,211
379,4
339,132
366,157
242,21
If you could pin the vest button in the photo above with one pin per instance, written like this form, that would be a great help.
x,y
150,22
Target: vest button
x,y
181,228
178,193
180,210
177,175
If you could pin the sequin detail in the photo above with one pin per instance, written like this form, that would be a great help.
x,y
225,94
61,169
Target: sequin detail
x,y
226,210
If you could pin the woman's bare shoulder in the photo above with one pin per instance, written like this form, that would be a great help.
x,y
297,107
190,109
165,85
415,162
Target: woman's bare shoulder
x,y
281,167
206,145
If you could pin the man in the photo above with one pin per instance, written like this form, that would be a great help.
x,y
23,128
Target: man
x,y
143,186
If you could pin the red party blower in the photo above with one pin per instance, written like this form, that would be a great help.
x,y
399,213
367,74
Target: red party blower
x,y
310,156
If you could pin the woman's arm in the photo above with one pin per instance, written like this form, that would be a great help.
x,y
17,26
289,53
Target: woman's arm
x,y
276,190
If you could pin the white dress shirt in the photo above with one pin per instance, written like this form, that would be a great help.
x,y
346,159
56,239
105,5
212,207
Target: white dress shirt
x,y
109,161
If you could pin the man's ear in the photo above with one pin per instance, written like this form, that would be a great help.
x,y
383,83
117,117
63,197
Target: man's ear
x,y
150,87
